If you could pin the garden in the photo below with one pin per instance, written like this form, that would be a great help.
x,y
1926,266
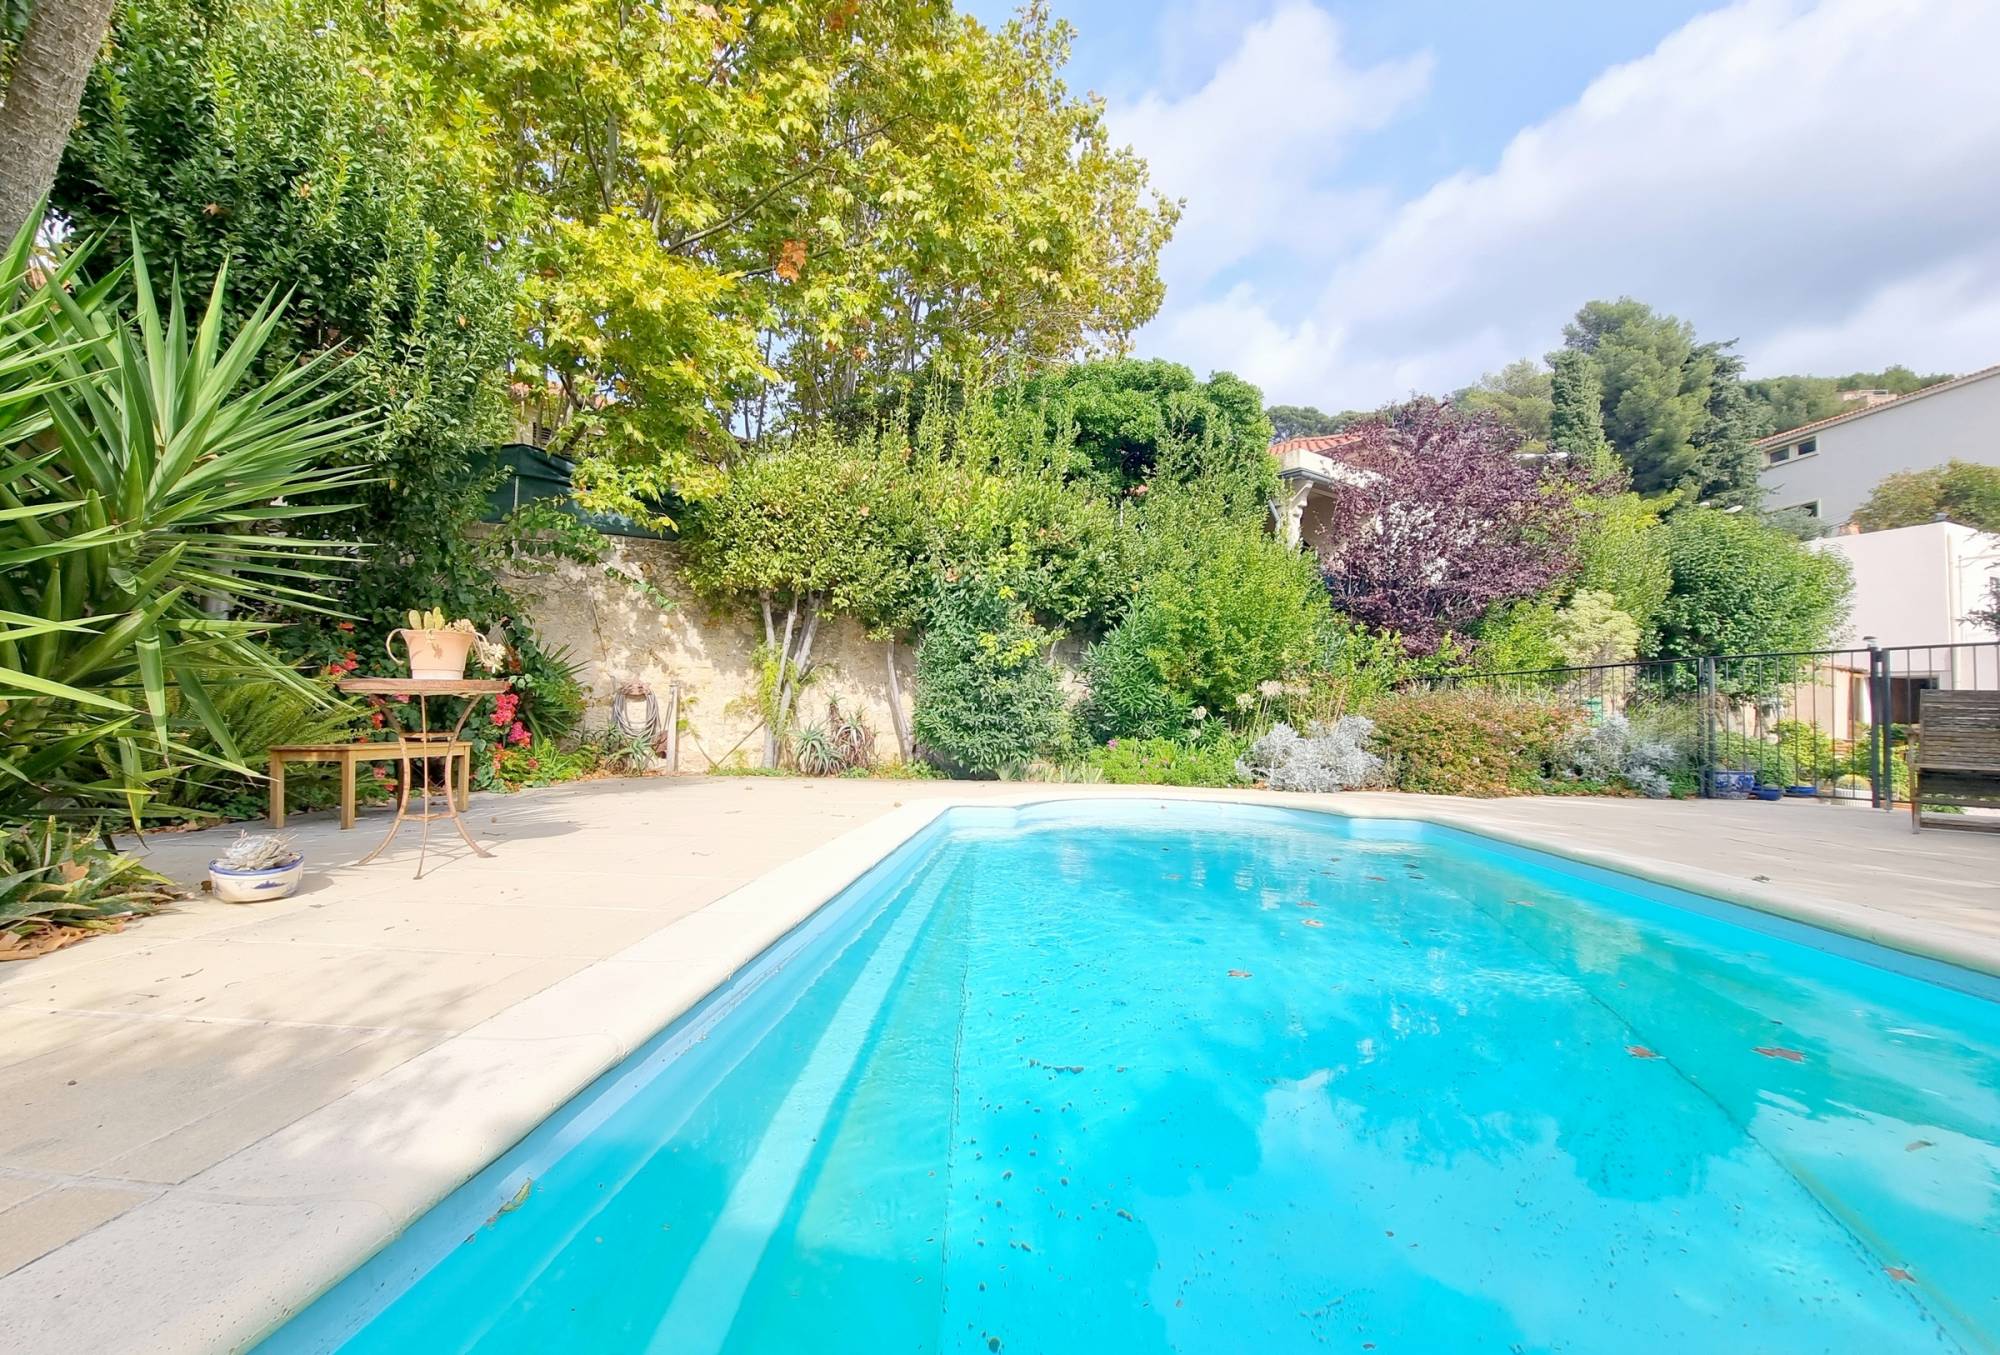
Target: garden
x,y
839,299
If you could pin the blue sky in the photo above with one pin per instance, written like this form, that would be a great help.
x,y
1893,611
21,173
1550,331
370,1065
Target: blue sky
x,y
1387,197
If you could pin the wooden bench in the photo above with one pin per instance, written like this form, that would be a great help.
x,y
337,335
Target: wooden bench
x,y
350,756
1954,755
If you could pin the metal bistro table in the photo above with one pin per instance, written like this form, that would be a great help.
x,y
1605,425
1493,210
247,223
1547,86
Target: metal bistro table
x,y
415,749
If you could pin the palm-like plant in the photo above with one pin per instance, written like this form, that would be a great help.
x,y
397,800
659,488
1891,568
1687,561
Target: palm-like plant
x,y
146,480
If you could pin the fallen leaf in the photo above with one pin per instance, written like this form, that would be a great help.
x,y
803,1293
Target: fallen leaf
x,y
1898,1273
520,1198
1307,903
1239,973
1914,1144
1312,922
1772,1051
1639,1051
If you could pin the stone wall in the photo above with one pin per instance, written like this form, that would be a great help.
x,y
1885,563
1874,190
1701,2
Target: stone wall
x,y
620,635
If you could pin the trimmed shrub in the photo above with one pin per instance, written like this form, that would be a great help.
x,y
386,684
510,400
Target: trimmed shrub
x,y
1326,758
1470,742
987,697
1169,762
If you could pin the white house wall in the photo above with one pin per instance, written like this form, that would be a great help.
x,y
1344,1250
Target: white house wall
x,y
1912,434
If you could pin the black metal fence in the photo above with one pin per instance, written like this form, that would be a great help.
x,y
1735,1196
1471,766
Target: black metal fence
x,y
1828,723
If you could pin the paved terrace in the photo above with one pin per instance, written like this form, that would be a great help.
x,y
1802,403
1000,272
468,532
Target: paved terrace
x,y
212,1115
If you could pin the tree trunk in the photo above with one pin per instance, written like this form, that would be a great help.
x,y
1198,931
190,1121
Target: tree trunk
x,y
896,716
790,687
50,67
774,719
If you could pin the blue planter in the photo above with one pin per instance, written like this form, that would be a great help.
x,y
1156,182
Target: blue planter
x,y
1802,792
1771,793
1731,785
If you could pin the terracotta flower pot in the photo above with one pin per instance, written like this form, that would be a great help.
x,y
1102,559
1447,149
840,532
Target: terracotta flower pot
x,y
433,654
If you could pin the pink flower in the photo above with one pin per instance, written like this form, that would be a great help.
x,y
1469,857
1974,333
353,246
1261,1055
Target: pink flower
x,y
518,734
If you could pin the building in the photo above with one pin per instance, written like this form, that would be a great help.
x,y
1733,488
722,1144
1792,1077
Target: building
x,y
1307,468
1829,468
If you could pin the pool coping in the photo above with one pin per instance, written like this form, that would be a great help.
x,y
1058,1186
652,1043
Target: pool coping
x,y
230,1254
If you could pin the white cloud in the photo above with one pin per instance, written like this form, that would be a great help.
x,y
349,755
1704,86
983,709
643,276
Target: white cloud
x,y
1251,149
1820,181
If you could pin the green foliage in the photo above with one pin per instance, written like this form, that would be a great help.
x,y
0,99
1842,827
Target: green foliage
x,y
269,137
1303,421
987,697
1674,410
1961,491
1740,587
54,878
543,762
1622,550
1591,629
1518,637
1205,761
1576,409
1221,607
1521,395
259,715
1468,741
1141,422
161,487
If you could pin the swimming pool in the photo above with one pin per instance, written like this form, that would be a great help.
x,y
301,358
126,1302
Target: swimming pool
x,y
1122,1076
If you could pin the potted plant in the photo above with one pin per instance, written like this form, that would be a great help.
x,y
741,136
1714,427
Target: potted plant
x,y
256,867
434,648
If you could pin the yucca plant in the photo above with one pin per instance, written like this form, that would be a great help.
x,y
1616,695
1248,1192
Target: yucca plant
x,y
55,879
146,482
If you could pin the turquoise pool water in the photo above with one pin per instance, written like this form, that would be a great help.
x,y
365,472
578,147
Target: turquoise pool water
x,y
1136,1077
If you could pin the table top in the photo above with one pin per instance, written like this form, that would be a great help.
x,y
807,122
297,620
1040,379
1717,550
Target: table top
x,y
424,686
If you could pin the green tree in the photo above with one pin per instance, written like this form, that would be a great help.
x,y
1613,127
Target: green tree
x,y
1303,421
1137,421
794,535
1781,402
988,700
1220,607
1576,410
1964,492
1622,551
1673,407
1741,587
1520,395
741,211
258,135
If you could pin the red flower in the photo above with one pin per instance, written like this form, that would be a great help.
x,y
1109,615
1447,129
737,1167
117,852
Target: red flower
x,y
343,625
518,734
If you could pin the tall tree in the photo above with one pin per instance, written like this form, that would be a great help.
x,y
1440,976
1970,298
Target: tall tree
x,y
1576,410
1304,421
272,137
1673,407
1520,396
1135,420
1959,491
50,64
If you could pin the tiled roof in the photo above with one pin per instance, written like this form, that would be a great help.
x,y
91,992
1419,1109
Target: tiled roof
x,y
1322,443
1791,434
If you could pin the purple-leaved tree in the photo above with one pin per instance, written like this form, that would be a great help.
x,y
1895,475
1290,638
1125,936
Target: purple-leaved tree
x,y
1439,518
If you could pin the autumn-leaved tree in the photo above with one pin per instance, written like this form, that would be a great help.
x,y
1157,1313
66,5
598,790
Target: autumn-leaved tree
x,y
1437,519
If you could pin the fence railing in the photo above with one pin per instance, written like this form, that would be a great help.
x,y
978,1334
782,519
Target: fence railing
x,y
1826,722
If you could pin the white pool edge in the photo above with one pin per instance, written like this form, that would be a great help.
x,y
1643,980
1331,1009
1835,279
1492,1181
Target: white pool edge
x,y
221,1260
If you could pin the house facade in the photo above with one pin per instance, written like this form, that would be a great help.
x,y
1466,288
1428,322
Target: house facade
x,y
1308,469
1829,468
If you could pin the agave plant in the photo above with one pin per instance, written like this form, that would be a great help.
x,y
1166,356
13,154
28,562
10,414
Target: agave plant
x,y
146,482
54,879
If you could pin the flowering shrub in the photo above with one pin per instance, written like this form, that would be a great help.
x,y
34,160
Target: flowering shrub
x,y
1470,742
1328,757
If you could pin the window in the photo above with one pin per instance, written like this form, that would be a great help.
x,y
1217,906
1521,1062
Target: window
x,y
1777,456
1810,447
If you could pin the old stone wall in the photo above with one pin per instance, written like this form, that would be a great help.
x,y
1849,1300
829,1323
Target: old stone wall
x,y
621,635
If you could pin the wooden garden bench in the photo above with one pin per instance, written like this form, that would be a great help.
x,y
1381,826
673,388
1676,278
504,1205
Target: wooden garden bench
x,y
1954,755
458,758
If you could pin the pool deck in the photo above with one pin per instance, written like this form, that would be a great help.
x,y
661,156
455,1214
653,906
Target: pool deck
x,y
213,1115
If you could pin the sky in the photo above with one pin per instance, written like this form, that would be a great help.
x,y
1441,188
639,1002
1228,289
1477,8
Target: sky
x,y
1384,198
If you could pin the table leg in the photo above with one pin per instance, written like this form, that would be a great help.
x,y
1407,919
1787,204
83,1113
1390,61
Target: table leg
x,y
402,800
347,770
464,778
277,791
456,807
